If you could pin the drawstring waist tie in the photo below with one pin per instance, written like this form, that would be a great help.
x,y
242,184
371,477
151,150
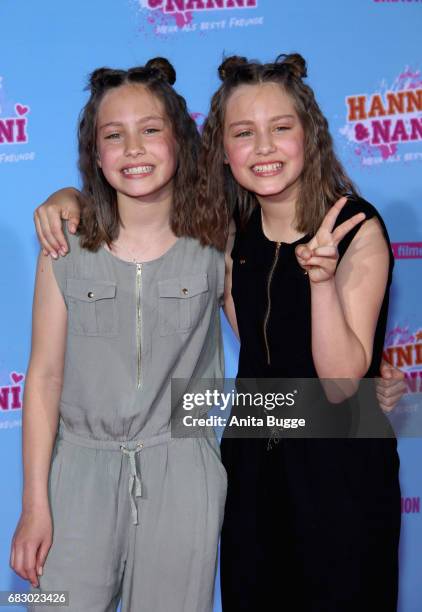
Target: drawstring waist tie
x,y
128,448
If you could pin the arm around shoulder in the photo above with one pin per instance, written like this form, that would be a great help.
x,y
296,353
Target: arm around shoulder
x,y
229,309
61,205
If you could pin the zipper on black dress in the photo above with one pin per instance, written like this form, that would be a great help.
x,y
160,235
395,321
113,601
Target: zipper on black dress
x,y
267,315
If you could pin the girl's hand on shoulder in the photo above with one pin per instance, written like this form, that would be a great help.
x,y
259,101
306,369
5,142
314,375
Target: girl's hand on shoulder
x,y
390,387
62,204
30,545
319,256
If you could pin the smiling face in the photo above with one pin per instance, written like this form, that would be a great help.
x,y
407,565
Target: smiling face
x,y
264,141
136,148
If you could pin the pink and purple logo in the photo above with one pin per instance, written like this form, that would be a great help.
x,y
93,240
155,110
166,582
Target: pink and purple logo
x,y
13,129
182,6
403,349
165,17
410,505
11,394
380,124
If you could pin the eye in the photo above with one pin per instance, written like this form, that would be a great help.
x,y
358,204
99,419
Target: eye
x,y
151,130
113,136
243,134
282,128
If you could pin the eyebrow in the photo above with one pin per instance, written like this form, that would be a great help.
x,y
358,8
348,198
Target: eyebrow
x,y
247,122
142,120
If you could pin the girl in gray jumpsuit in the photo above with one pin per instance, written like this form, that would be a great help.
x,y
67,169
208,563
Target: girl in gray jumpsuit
x,y
136,513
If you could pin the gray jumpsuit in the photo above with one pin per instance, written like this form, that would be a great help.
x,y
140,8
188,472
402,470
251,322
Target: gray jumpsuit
x,y
136,513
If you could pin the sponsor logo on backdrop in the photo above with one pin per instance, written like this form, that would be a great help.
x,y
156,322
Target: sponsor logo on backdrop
x,y
407,250
166,17
403,349
14,119
410,505
386,125
11,395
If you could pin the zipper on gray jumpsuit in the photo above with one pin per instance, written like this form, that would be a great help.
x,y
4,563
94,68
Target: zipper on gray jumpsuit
x,y
138,322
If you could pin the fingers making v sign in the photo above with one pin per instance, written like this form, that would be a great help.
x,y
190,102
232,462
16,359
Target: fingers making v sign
x,y
319,256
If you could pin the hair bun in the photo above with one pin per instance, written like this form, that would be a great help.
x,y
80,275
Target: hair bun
x,y
230,66
97,75
163,68
295,63
102,77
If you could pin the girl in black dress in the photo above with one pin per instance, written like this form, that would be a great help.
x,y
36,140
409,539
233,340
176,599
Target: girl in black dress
x,y
310,524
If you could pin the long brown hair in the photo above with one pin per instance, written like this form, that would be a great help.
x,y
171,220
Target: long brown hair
x,y
323,178
100,221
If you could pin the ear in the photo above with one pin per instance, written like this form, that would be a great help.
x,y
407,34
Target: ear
x,y
226,159
98,160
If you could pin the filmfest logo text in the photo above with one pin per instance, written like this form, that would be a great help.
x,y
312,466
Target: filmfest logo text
x,y
166,17
381,124
407,250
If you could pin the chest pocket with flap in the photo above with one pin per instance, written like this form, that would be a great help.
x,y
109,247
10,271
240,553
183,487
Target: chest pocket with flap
x,y
182,302
91,307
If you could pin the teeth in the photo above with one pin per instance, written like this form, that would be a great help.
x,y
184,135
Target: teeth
x,y
267,167
138,170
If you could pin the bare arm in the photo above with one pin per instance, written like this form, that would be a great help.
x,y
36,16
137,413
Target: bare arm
x,y
345,305
32,538
345,308
43,383
228,306
345,300
63,204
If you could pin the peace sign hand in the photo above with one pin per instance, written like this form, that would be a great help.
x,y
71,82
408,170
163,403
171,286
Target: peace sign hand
x,y
320,255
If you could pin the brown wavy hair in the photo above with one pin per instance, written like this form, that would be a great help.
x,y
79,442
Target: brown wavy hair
x,y
323,178
100,221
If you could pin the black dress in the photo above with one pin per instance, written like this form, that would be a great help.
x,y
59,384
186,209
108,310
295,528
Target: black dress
x,y
310,524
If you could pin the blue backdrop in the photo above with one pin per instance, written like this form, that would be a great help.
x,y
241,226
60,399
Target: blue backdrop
x,y
364,64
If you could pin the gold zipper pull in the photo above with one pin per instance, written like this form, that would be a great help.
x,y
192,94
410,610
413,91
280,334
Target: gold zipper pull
x,y
267,315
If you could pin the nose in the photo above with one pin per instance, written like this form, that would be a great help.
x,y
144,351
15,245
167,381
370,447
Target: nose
x,y
264,143
134,146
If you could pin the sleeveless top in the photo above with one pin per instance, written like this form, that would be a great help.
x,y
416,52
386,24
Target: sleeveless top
x,y
131,329
272,299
